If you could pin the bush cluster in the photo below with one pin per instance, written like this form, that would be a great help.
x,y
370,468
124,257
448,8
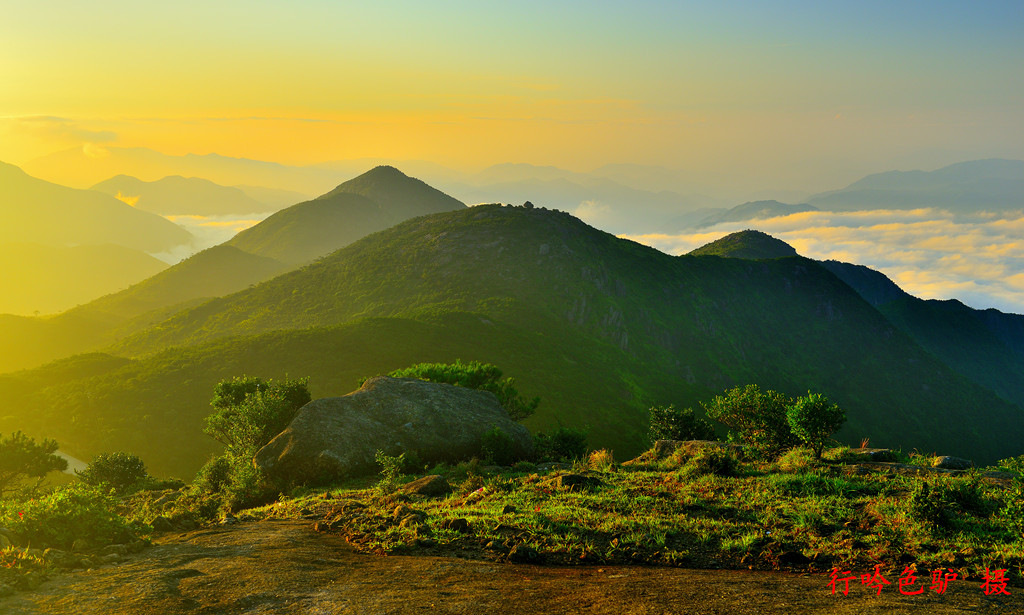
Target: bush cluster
x,y
671,423
769,422
562,444
474,375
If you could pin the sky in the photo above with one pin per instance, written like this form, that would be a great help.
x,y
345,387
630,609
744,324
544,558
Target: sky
x,y
793,95
733,97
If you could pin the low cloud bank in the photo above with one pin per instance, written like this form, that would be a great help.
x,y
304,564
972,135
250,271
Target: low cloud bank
x,y
208,231
932,254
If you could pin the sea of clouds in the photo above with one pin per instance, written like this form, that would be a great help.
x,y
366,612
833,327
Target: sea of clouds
x,y
930,253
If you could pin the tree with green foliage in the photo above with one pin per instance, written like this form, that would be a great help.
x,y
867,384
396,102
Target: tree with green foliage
x,y
22,457
671,423
474,375
249,412
117,471
757,418
813,418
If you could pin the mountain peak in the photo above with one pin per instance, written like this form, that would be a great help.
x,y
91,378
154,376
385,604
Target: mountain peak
x,y
748,244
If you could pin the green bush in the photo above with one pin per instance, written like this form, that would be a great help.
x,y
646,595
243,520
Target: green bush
x,y
474,375
249,412
213,477
670,423
564,444
74,513
813,418
22,457
943,501
121,472
390,472
497,447
757,418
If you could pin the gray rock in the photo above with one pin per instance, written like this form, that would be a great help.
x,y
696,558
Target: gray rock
x,y
874,454
952,463
338,437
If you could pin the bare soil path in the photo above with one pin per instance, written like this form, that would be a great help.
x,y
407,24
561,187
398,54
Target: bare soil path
x,y
282,566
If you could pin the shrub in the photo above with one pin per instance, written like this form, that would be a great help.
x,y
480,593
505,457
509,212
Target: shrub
x,y
498,447
670,423
813,418
601,460
214,475
474,375
941,502
717,461
798,460
22,457
757,418
121,472
564,444
390,472
74,513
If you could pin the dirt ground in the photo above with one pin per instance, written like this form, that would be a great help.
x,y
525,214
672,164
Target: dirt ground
x,y
282,566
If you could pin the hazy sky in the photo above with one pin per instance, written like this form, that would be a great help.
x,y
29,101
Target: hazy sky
x,y
750,95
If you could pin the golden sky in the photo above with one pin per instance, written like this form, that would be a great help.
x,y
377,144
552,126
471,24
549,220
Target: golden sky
x,y
755,94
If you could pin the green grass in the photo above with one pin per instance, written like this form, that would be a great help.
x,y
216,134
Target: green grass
x,y
653,515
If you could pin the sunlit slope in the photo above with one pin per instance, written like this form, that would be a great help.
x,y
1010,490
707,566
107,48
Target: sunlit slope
x,y
36,211
37,279
217,271
713,322
371,202
182,195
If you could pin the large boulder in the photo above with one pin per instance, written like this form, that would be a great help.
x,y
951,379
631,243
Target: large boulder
x,y
337,437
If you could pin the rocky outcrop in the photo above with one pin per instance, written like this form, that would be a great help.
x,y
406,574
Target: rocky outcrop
x,y
336,437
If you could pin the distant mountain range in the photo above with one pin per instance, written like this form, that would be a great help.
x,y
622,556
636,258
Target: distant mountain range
x,y
600,327
37,211
176,195
967,187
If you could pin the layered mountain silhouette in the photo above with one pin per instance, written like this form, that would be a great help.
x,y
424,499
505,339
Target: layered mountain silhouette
x,y
966,187
38,279
371,202
755,210
177,195
600,327
37,211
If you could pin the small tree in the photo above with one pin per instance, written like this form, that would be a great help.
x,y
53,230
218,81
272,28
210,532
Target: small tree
x,y
474,375
670,423
756,417
117,471
249,412
22,457
813,418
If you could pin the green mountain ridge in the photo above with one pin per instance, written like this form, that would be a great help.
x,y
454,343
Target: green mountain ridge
x,y
691,324
368,203
748,244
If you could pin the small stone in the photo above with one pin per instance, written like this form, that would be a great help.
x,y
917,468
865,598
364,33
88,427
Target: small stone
x,y
523,554
459,525
434,485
